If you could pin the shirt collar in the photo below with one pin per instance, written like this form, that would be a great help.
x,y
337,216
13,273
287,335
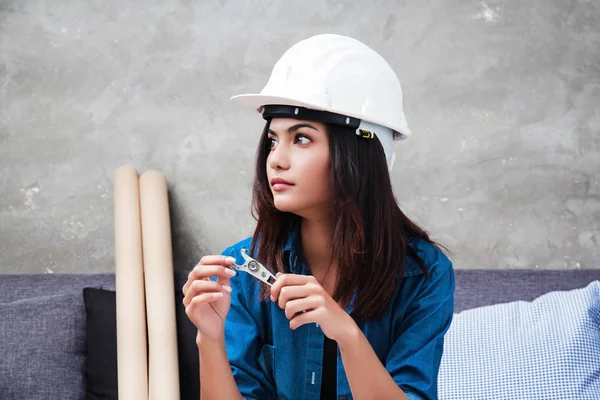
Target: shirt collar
x,y
292,239
293,248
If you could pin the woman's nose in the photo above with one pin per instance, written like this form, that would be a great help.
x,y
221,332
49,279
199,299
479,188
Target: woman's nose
x,y
279,157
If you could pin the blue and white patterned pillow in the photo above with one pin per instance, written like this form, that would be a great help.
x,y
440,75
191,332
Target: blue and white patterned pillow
x,y
545,349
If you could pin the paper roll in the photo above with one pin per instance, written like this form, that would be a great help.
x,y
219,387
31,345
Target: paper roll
x,y
159,282
132,356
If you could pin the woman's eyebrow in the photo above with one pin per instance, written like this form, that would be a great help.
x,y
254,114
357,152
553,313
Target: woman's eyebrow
x,y
294,128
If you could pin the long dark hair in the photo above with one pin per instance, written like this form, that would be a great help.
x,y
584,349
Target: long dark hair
x,y
371,232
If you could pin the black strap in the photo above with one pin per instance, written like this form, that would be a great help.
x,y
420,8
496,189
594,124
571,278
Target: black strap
x,y
329,379
326,117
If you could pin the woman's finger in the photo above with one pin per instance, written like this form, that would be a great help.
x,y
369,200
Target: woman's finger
x,y
202,299
307,304
197,286
284,280
288,293
202,271
204,286
307,317
217,260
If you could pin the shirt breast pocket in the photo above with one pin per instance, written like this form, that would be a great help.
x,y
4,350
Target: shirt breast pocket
x,y
266,362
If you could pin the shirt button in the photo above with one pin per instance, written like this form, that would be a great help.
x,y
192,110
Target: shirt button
x,y
343,398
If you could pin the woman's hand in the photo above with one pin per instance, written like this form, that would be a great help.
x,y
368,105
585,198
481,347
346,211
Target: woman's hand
x,y
305,300
207,302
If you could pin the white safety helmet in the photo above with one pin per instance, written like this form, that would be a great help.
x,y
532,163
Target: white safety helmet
x,y
336,79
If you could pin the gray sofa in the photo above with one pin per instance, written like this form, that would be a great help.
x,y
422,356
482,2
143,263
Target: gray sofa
x,y
42,321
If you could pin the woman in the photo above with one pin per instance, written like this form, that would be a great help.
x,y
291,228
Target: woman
x,y
362,297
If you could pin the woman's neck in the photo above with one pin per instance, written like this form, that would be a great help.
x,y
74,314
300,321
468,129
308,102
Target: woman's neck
x,y
317,244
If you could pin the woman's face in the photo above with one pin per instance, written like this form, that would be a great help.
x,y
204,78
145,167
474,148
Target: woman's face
x,y
298,166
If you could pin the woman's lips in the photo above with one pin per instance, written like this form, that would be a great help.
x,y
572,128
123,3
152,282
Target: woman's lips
x,y
278,187
279,184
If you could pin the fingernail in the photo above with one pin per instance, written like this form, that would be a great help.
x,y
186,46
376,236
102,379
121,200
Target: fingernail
x,y
230,272
230,259
277,274
227,288
272,298
218,294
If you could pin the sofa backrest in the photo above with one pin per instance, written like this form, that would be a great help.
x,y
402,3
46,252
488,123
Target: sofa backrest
x,y
474,288
477,288
15,287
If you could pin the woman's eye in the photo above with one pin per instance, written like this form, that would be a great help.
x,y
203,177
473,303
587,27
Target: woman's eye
x,y
301,139
271,143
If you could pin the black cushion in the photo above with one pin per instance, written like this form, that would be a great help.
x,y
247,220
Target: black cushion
x,y
101,345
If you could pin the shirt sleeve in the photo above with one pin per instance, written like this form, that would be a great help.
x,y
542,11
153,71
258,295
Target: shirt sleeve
x,y
243,343
414,359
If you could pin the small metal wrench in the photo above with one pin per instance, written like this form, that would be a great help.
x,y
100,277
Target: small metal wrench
x,y
255,269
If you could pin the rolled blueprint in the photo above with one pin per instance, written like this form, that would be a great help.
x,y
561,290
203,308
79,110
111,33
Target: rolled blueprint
x,y
159,282
132,356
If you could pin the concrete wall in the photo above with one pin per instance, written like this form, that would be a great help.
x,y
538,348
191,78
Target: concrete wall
x,y
502,96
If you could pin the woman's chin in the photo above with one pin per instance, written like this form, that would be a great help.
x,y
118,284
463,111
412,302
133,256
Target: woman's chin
x,y
285,205
283,208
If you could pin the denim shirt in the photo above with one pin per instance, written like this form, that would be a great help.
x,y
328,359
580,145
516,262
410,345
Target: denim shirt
x,y
271,361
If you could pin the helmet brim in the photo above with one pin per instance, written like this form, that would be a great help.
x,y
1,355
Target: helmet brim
x,y
257,101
